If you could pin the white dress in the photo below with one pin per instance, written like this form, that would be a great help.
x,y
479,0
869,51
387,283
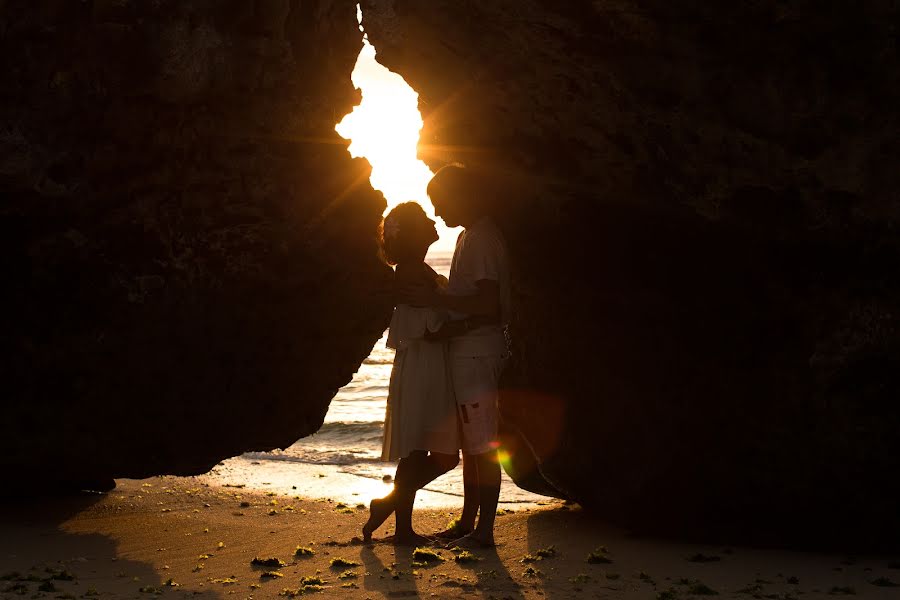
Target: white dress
x,y
421,408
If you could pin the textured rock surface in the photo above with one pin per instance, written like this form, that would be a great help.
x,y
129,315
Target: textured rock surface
x,y
188,254
701,204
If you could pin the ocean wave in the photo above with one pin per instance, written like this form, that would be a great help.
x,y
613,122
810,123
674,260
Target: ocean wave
x,y
338,457
336,443
347,429
368,393
387,360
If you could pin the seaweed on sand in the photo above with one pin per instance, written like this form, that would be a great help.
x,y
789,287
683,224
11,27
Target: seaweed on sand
x,y
540,554
701,589
267,562
271,574
426,555
466,557
343,563
599,557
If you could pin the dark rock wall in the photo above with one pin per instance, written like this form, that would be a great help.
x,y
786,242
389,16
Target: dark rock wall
x,y
187,250
701,202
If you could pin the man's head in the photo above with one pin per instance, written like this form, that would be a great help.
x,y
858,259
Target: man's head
x,y
455,196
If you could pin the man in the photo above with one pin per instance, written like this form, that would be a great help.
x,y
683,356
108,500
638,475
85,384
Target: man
x,y
478,301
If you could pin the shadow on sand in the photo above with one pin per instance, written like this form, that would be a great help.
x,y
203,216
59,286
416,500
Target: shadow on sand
x,y
42,551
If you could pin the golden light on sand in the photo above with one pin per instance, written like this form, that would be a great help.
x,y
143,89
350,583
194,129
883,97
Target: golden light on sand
x,y
384,129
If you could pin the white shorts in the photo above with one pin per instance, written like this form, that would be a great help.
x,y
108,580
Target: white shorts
x,y
475,384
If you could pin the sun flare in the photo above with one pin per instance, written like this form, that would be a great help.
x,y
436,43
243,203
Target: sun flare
x,y
384,129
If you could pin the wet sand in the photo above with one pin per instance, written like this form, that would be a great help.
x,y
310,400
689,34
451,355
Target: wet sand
x,y
312,480
184,537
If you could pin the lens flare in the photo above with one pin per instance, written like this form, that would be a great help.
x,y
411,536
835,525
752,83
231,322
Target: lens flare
x,y
504,458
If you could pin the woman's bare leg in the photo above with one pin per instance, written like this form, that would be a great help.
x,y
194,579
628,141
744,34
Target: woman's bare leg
x,y
427,469
382,508
413,473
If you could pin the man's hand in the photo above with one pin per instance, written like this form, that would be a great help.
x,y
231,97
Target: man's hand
x,y
447,330
417,295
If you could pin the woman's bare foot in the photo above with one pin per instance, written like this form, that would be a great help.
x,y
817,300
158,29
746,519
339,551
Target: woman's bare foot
x,y
411,539
455,530
379,510
473,541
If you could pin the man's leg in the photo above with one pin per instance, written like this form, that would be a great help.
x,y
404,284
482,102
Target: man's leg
x,y
465,524
482,488
470,495
475,382
488,496
487,467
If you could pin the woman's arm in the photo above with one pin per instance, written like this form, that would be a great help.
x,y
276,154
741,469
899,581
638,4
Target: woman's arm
x,y
418,276
434,274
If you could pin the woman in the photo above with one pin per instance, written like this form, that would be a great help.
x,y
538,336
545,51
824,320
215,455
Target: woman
x,y
420,427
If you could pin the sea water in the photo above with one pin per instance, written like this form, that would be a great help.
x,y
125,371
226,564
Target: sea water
x,y
342,460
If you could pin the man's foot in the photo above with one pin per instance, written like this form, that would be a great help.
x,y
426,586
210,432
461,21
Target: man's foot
x,y
454,531
411,539
473,541
379,510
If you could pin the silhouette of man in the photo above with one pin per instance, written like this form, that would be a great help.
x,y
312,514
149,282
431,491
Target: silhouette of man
x,y
478,301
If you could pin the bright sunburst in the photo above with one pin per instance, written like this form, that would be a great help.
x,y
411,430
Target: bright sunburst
x,y
384,129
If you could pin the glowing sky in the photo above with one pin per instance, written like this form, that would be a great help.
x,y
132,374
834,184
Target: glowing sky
x,y
384,129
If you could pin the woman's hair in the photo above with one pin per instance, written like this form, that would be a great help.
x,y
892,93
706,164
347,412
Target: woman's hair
x,y
401,229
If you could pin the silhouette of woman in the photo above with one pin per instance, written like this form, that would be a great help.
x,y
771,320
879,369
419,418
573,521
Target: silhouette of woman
x,y
420,426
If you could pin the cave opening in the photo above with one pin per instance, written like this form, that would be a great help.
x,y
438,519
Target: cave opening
x,y
342,459
384,129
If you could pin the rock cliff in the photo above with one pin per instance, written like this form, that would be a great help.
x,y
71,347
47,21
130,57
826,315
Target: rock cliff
x,y
700,201
701,205
188,251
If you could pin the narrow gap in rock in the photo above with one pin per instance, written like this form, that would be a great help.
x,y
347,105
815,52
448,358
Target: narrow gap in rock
x,y
341,460
384,129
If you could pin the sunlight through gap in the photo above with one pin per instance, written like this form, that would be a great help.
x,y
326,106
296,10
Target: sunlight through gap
x,y
385,129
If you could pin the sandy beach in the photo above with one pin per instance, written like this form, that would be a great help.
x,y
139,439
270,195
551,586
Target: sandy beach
x,y
175,536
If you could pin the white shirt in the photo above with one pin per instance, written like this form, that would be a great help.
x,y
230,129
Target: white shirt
x,y
480,255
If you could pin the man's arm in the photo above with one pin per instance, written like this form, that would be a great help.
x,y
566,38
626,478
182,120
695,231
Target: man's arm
x,y
484,303
452,329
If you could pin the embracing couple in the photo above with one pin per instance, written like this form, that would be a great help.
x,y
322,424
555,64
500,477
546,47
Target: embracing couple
x,y
450,348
